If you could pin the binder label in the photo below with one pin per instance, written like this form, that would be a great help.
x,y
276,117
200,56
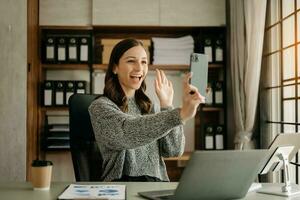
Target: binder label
x,y
208,52
61,53
219,54
48,97
219,97
84,53
209,142
50,52
219,141
72,53
59,98
80,91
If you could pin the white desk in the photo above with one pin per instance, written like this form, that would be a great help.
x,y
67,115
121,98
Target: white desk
x,y
23,190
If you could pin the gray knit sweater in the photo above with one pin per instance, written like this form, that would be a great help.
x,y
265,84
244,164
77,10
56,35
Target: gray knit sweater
x,y
133,144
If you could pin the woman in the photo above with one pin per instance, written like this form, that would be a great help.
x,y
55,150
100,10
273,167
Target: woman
x,y
132,136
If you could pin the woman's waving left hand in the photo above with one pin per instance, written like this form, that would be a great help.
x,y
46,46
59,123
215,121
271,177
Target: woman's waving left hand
x,y
164,89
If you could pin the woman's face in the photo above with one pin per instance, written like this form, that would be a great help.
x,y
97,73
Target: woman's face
x,y
132,69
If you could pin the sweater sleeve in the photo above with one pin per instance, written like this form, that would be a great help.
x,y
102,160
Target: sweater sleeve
x,y
119,130
173,143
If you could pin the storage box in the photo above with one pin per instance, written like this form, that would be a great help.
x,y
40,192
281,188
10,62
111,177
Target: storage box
x,y
108,45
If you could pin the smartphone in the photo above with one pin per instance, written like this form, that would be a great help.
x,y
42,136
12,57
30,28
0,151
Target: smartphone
x,y
199,67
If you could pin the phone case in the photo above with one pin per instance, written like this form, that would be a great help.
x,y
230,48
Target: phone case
x,y
199,67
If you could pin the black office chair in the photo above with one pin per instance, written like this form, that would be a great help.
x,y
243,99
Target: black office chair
x,y
86,157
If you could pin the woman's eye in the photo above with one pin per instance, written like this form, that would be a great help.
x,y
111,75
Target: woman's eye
x,y
130,61
144,62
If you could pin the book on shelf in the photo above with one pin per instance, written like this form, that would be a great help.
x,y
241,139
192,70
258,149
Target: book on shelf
x,y
58,128
57,144
58,136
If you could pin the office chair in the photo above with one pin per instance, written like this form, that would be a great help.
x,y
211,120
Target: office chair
x,y
86,157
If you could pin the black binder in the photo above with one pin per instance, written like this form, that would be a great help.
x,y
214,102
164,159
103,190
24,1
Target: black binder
x,y
219,49
84,49
72,50
219,136
208,48
49,50
59,98
70,89
209,137
80,87
61,50
218,93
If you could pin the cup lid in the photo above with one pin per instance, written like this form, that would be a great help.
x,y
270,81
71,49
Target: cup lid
x,y
41,163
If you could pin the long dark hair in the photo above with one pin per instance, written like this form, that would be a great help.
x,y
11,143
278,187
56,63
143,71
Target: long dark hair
x,y
113,89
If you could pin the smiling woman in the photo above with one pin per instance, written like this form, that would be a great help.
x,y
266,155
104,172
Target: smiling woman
x,y
123,59
132,69
133,136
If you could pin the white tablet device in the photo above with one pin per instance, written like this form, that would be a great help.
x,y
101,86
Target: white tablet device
x,y
199,67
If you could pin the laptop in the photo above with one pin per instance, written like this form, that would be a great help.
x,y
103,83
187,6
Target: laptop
x,y
226,174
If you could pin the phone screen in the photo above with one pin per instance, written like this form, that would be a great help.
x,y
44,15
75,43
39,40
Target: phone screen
x,y
199,67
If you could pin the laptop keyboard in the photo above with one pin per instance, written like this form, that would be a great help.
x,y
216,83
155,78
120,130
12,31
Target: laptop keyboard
x,y
159,194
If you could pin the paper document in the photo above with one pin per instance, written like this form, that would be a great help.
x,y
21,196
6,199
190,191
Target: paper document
x,y
172,50
79,191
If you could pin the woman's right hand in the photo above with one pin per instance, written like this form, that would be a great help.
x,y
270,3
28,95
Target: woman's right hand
x,y
191,99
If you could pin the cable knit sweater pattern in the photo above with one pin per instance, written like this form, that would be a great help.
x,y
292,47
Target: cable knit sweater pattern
x,y
133,144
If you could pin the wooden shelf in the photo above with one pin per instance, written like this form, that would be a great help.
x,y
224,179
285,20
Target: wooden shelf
x,y
185,157
65,66
63,108
67,27
170,67
163,67
151,67
212,109
215,65
104,67
100,66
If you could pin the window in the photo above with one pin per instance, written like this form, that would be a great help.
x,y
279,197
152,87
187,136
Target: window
x,y
281,71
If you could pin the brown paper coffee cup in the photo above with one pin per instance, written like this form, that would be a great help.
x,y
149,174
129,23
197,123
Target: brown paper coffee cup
x,y
41,174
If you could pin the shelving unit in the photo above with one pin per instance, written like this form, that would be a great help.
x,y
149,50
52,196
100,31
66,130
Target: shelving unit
x,y
151,67
206,114
104,67
65,66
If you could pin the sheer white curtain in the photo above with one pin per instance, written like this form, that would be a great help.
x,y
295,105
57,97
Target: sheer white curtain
x,y
247,22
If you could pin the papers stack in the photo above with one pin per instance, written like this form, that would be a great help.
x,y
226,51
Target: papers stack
x,y
76,191
172,50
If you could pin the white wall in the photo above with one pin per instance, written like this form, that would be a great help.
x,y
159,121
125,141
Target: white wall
x,y
13,59
65,12
133,12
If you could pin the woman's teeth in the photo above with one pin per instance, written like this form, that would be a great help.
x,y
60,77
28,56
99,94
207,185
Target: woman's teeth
x,y
136,76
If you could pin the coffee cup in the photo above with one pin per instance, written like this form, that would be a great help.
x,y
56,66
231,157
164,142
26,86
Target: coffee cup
x,y
41,171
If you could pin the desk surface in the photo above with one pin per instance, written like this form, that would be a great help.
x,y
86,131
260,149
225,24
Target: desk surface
x,y
23,190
